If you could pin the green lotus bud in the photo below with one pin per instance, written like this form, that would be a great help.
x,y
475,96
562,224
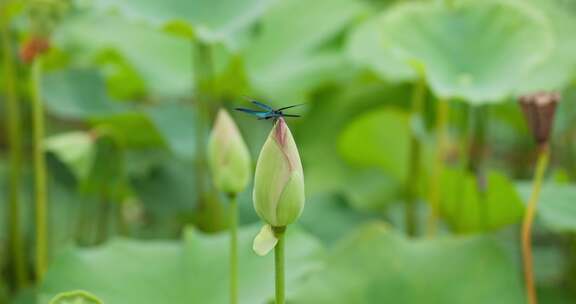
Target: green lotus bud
x,y
279,179
228,155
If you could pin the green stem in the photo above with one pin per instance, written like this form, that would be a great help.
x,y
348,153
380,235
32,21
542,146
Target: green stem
x,y
474,160
413,180
14,123
210,214
202,74
279,264
103,221
39,170
121,224
526,234
233,249
459,182
477,157
442,112
570,273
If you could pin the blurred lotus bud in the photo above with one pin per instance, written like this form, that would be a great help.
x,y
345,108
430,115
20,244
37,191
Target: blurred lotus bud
x,y
33,47
228,155
43,17
279,178
539,109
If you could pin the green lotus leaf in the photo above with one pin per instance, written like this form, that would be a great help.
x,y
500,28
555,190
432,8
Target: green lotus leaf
x,y
559,68
379,138
162,61
376,265
286,59
208,20
556,209
472,204
193,271
366,48
474,50
76,149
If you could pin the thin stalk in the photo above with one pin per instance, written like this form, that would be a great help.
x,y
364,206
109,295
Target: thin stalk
x,y
526,234
103,221
202,73
39,170
475,160
121,224
570,273
14,124
442,112
413,180
233,249
279,265
459,183
204,93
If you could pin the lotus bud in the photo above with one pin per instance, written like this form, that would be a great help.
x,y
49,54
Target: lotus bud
x,y
279,178
228,155
539,110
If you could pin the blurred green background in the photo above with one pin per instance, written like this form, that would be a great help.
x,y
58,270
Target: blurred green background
x,y
130,90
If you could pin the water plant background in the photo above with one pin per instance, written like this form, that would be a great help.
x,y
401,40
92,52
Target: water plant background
x,y
418,160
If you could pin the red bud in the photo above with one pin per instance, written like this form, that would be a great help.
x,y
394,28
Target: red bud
x,y
33,47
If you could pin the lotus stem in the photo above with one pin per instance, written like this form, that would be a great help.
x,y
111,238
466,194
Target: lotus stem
x,y
442,112
526,234
413,179
279,264
14,123
233,249
39,170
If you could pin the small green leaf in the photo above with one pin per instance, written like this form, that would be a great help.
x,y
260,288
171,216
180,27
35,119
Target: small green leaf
x,y
75,149
474,204
175,123
264,241
370,189
75,297
379,138
77,94
130,129
162,60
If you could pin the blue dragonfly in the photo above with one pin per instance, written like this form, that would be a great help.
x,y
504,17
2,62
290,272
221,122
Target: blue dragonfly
x,y
269,112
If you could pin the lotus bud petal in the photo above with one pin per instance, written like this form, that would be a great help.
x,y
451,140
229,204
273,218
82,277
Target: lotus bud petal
x,y
228,156
279,178
265,241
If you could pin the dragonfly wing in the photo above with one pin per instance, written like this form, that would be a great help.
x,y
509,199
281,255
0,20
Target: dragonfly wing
x,y
253,112
290,115
263,106
292,106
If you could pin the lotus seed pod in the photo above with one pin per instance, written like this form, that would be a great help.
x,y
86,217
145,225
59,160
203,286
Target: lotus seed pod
x,y
539,109
228,156
279,178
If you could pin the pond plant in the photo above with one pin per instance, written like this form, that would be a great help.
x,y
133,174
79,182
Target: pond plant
x,y
539,110
278,196
229,161
413,143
